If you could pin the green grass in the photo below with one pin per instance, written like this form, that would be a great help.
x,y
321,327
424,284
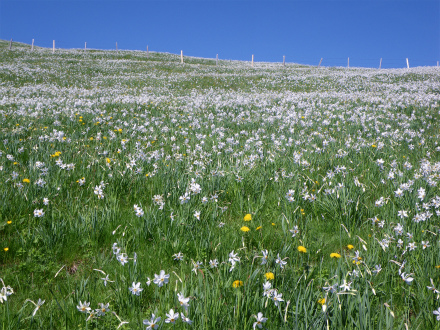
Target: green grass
x,y
139,127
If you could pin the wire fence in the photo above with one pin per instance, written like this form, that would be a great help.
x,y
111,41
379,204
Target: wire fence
x,y
324,61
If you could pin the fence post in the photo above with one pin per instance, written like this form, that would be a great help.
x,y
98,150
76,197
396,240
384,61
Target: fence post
x,y
320,62
407,63
284,60
181,57
32,47
437,63
252,60
148,53
348,62
10,44
216,60
53,47
117,51
380,63
85,46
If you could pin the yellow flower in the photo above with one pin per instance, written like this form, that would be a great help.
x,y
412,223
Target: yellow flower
x,y
321,301
237,284
9,222
6,249
273,224
269,276
108,160
349,246
302,249
438,266
247,217
335,255
244,229
373,145
91,138
26,181
258,228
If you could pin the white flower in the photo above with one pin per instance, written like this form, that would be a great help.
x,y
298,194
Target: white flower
x,y
171,317
38,213
183,301
153,323
136,288
260,320
185,319
265,257
83,307
213,263
280,261
294,231
161,279
277,297
437,312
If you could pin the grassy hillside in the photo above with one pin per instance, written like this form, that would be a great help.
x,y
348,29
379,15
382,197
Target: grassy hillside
x,y
307,194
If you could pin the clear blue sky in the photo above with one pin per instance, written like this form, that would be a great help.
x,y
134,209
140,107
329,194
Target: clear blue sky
x,y
303,31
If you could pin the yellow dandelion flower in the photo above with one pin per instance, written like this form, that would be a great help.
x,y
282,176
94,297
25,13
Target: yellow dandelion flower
x,y
108,160
237,284
321,301
247,217
9,222
335,255
26,181
244,229
349,246
302,249
258,228
373,145
269,276
438,266
6,249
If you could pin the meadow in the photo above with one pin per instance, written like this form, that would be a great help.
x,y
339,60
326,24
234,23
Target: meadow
x,y
140,193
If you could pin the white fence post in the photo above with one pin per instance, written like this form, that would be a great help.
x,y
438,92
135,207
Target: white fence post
x,y
148,53
181,57
284,60
380,63
32,47
53,47
348,62
85,46
407,63
320,62
117,51
216,60
437,63
10,44
252,60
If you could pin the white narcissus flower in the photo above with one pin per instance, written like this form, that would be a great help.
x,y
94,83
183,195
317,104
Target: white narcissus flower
x,y
260,320
153,323
136,288
83,307
161,279
171,317
183,301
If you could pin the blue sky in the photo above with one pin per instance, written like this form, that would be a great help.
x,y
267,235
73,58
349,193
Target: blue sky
x,y
303,31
